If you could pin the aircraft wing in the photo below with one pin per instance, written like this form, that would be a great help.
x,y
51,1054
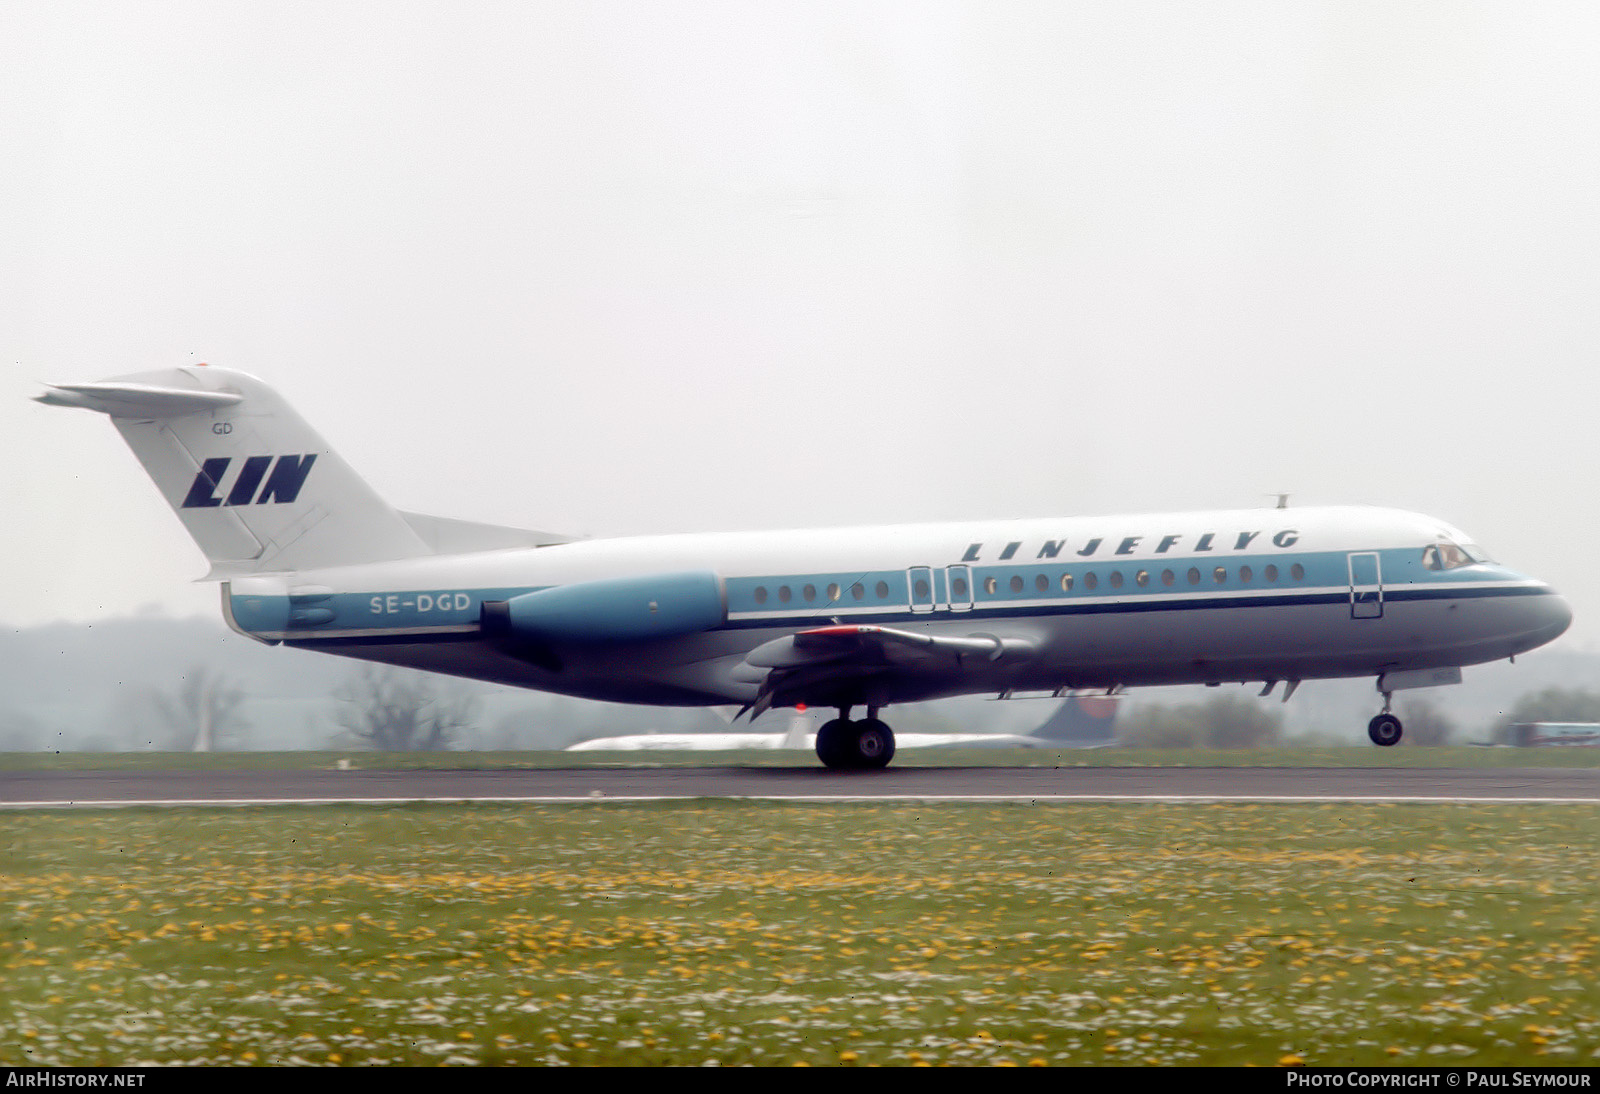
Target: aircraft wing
x,y
686,742
827,657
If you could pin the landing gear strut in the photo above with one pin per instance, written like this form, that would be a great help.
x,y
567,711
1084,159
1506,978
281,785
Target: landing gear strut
x,y
855,746
1385,729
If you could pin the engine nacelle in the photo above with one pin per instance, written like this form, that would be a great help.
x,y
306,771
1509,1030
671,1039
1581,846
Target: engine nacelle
x,y
619,609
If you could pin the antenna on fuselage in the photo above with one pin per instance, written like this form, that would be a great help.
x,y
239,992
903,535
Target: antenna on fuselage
x,y
1283,500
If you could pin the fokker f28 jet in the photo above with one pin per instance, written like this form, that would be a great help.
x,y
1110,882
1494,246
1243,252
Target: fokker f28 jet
x,y
309,556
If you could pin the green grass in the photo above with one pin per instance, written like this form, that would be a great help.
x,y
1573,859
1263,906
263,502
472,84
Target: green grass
x,y
1288,756
1338,934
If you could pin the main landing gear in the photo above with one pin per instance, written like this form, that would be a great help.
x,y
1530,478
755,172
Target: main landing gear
x,y
855,746
1385,729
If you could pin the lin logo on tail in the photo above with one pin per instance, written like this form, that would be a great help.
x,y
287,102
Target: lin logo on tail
x,y
282,485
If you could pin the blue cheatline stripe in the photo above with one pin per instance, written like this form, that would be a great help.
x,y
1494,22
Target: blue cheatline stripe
x,y
1107,606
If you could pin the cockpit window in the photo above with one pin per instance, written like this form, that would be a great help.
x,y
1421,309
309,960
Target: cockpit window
x,y
1450,556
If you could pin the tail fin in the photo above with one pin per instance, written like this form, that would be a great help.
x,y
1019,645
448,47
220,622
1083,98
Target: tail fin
x,y
1081,719
257,488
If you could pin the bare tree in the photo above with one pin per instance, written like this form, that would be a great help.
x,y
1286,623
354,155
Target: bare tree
x,y
201,712
402,710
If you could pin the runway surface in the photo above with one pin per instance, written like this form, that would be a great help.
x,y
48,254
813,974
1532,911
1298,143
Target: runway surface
x,y
106,788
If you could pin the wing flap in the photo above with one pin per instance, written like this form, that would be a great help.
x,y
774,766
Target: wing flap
x,y
822,644
827,656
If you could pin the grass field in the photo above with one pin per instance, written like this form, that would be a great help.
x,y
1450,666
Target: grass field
x,y
759,933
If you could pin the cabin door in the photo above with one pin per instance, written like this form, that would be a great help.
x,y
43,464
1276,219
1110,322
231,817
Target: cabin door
x,y
1366,586
958,586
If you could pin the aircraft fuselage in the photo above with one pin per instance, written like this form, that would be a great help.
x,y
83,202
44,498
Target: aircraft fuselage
x,y
1269,594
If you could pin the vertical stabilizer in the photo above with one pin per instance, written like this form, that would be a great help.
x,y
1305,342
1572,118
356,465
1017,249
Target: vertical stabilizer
x,y
257,488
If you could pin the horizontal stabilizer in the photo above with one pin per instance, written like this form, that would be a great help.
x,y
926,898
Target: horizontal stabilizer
x,y
137,400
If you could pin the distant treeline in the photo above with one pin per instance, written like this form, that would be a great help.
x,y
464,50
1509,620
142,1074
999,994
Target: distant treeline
x,y
152,682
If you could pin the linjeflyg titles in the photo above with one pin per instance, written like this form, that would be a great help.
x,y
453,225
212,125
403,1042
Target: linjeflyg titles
x,y
1134,545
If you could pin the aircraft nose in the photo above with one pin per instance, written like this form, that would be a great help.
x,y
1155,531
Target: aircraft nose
x,y
1549,617
1560,613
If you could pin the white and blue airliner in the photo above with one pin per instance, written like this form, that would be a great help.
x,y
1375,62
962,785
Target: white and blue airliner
x,y
308,555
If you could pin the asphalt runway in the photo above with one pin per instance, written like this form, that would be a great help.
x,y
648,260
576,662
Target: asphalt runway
x,y
802,783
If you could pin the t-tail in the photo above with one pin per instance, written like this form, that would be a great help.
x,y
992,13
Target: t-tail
x,y
257,488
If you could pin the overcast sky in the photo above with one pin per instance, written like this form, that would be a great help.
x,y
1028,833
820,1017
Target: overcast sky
x,y
616,268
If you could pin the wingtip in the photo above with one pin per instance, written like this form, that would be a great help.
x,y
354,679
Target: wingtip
x,y
59,395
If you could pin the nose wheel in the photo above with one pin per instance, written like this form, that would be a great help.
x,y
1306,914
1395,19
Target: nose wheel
x,y
1384,730
845,745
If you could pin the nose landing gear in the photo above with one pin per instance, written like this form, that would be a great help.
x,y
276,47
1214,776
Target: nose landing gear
x,y
855,746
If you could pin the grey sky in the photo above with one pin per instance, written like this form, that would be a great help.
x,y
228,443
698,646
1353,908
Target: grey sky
x,y
644,267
